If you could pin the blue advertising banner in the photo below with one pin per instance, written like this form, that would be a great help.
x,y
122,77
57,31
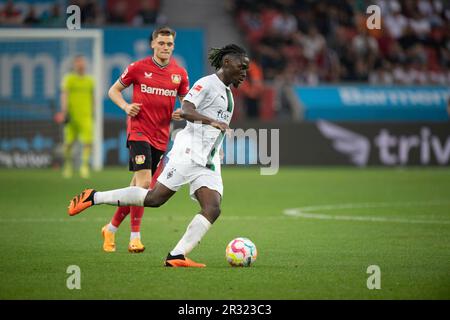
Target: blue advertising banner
x,y
374,103
30,76
31,69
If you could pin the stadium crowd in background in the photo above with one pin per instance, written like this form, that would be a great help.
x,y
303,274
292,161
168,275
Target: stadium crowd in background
x,y
300,41
327,41
295,42
93,13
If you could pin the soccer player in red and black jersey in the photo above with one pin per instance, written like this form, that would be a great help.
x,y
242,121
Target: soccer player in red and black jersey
x,y
156,81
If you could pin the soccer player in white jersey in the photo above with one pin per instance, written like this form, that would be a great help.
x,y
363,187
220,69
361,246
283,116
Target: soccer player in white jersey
x,y
194,158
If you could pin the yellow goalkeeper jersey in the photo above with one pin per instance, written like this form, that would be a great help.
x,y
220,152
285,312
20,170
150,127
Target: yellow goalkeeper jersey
x,y
80,91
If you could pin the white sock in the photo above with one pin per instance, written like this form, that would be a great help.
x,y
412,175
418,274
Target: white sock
x,y
134,235
112,228
130,196
191,238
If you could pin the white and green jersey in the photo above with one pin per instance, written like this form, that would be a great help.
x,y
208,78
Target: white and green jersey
x,y
198,142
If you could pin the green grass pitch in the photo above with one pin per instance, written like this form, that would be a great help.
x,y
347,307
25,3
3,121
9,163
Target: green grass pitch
x,y
344,221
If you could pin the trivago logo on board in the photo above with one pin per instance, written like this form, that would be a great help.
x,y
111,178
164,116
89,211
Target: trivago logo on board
x,y
391,149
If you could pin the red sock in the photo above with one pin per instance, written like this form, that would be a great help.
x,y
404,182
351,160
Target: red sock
x,y
121,213
136,218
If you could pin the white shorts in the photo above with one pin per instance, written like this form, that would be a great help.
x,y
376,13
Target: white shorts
x,y
177,174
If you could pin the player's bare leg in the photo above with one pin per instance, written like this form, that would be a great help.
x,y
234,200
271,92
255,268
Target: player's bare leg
x,y
210,203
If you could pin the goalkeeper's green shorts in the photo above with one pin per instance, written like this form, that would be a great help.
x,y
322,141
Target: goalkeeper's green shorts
x,y
78,130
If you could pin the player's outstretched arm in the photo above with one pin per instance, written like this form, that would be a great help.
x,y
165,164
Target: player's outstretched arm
x,y
189,113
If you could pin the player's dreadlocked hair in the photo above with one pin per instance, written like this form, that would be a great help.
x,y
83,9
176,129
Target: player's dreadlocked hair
x,y
216,54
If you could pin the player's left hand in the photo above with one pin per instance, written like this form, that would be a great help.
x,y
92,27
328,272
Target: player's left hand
x,y
176,115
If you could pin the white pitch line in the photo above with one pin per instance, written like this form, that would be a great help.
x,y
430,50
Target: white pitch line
x,y
153,219
310,212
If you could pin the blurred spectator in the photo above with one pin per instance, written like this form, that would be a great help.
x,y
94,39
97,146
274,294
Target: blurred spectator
x,y
252,89
31,17
309,76
90,12
313,42
365,45
286,103
10,14
382,76
252,23
397,22
147,14
284,23
54,18
269,50
117,13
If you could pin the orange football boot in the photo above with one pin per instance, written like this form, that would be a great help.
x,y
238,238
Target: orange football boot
x,y
109,244
81,202
181,261
136,246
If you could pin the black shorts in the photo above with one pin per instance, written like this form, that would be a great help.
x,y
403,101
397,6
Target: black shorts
x,y
143,156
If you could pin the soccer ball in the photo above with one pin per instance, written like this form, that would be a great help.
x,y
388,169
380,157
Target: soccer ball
x,y
241,252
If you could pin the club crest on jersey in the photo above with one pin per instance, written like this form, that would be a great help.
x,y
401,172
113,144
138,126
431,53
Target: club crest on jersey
x,y
148,75
139,159
176,78
170,173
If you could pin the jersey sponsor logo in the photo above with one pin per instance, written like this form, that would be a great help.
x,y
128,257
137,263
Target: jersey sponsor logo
x,y
176,78
223,115
148,75
139,159
158,91
198,88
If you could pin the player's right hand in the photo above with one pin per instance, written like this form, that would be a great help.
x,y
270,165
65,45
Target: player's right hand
x,y
132,109
60,117
222,126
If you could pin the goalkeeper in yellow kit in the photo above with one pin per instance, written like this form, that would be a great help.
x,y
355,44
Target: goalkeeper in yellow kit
x,y
77,107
